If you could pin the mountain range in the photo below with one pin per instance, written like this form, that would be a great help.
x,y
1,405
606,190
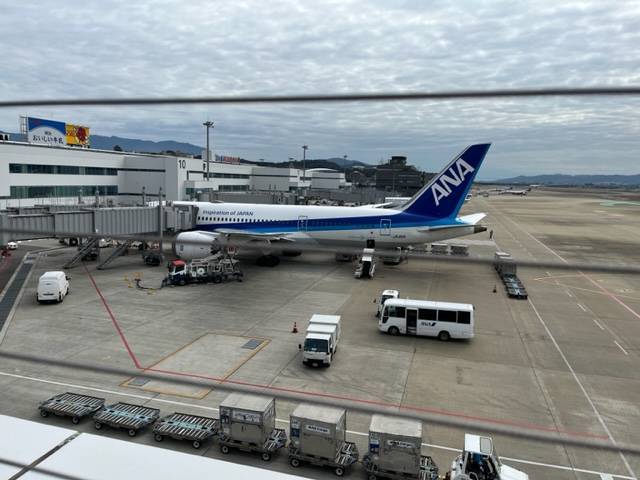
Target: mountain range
x,y
101,142
561,179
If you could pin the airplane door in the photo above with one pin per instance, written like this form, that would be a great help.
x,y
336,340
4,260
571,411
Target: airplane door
x,y
385,227
302,223
412,318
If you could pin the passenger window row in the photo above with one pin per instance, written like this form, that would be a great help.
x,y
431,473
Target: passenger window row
x,y
433,315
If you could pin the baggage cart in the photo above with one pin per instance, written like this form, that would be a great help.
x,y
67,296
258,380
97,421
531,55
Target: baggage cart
x,y
183,426
126,415
72,405
346,456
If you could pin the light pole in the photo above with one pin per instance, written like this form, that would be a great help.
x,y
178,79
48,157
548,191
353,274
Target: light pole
x,y
304,162
208,124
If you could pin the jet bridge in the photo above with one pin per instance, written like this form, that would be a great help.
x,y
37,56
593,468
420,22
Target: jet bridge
x,y
83,221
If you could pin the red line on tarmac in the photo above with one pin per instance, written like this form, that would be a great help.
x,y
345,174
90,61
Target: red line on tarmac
x,y
113,320
529,426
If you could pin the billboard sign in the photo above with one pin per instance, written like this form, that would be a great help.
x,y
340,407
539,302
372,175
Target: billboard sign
x,y
77,135
48,132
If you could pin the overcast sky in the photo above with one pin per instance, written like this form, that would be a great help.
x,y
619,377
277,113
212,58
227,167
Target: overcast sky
x,y
124,48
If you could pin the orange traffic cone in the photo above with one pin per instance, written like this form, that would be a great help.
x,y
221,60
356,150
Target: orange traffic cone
x,y
295,328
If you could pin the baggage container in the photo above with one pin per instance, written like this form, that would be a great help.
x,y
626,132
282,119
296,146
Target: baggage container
x,y
395,446
247,422
318,436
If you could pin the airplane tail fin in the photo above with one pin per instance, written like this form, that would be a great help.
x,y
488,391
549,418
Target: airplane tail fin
x,y
444,195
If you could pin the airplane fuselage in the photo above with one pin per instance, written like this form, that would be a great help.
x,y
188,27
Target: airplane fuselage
x,y
346,226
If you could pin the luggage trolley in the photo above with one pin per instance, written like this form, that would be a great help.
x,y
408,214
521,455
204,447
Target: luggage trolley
x,y
346,456
71,405
126,415
183,426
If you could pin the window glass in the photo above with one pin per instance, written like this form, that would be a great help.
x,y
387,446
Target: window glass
x,y
427,314
464,317
395,311
446,316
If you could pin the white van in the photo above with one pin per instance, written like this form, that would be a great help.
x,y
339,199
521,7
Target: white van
x,y
52,287
386,295
444,320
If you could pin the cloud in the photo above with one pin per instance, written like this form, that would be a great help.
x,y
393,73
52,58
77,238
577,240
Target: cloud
x,y
118,48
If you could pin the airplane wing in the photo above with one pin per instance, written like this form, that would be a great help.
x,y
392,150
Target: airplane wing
x,y
244,235
377,205
473,218
467,221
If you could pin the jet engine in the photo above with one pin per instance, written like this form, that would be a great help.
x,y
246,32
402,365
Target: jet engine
x,y
190,245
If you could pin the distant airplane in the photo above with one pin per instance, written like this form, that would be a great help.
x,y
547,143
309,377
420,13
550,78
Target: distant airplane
x,y
430,215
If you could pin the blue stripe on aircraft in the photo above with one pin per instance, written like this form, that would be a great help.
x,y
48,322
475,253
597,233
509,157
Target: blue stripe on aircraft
x,y
398,220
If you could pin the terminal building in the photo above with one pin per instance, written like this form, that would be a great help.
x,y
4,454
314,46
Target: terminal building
x,y
32,174
399,178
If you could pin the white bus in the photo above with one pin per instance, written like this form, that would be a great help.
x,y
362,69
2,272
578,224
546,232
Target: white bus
x,y
424,318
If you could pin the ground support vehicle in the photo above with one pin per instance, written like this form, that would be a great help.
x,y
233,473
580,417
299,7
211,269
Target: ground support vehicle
x,y
247,423
72,405
317,436
479,461
216,268
321,341
386,295
126,415
514,287
52,287
366,265
184,426
507,268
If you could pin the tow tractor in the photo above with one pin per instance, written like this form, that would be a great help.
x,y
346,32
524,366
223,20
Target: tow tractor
x,y
366,266
479,461
215,268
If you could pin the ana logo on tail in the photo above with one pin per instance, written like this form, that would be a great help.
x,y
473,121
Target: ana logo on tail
x,y
442,186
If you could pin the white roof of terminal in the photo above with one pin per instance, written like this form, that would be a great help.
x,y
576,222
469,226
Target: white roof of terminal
x,y
102,458
24,442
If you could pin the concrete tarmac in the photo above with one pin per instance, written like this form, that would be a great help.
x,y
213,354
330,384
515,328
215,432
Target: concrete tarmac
x,y
566,359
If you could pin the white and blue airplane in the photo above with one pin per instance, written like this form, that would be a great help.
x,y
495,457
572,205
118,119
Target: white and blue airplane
x,y
431,215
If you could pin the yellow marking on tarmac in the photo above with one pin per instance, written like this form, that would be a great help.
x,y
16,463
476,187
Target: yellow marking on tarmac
x,y
205,391
240,364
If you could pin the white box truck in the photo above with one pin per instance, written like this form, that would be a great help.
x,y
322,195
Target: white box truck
x,y
318,319
319,345
52,287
